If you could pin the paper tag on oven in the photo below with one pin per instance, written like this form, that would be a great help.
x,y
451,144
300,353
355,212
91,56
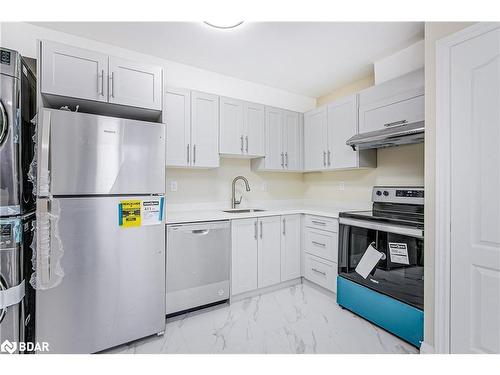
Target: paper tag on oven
x,y
399,252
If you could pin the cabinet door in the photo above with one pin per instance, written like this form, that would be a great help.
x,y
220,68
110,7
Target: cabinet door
x,y
269,251
73,72
291,140
178,120
274,142
244,255
342,125
315,139
231,129
255,127
204,130
135,84
290,247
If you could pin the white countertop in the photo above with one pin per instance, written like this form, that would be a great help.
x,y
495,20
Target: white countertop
x,y
212,214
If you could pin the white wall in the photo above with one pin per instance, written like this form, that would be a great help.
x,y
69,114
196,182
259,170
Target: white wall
x,y
22,37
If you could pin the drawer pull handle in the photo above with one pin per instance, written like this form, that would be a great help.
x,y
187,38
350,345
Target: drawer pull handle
x,y
318,222
318,244
395,123
318,271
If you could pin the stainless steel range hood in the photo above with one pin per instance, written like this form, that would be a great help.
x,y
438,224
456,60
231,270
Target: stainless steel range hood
x,y
403,134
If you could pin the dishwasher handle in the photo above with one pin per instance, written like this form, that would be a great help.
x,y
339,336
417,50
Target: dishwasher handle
x,y
200,232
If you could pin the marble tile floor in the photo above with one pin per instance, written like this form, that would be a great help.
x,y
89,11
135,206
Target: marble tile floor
x,y
298,319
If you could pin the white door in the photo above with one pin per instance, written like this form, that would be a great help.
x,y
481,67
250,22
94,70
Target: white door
x,y
342,125
178,129
291,140
74,72
254,125
274,142
231,129
269,251
244,255
135,84
290,247
204,130
475,194
315,139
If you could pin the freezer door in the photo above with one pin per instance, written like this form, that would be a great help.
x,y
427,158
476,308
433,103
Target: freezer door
x,y
111,286
92,154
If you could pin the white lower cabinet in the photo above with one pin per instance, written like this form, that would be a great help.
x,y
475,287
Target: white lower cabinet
x,y
243,255
321,272
290,247
269,251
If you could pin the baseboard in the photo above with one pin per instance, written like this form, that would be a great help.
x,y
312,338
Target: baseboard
x,y
320,288
269,289
426,348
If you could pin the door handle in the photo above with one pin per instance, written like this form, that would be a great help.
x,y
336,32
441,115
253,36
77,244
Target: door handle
x,y
246,139
241,148
255,229
43,183
261,230
395,123
318,271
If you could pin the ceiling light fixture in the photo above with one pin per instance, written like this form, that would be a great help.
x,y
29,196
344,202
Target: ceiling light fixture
x,y
223,25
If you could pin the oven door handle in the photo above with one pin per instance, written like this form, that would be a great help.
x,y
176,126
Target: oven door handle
x,y
413,232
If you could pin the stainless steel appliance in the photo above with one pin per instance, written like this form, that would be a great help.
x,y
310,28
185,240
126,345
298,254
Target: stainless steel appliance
x,y
197,265
17,144
101,236
395,228
394,134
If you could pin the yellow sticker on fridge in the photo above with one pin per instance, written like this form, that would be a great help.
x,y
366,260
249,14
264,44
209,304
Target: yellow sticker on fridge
x,y
129,213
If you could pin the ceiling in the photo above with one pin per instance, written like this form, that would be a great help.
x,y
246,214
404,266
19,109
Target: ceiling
x,y
308,58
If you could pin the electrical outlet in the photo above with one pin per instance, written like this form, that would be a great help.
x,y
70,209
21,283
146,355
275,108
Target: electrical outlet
x,y
173,185
264,186
341,185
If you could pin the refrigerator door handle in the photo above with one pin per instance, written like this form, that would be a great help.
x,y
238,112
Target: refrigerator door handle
x,y
43,156
43,242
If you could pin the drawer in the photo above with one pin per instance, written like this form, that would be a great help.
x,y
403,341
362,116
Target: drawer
x,y
321,272
321,222
321,243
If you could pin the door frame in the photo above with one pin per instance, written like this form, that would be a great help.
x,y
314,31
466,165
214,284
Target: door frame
x,y
442,256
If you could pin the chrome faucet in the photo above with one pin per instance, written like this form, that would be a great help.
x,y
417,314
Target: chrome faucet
x,y
235,202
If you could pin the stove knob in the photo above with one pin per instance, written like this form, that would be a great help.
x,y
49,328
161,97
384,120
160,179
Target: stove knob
x,y
386,193
379,193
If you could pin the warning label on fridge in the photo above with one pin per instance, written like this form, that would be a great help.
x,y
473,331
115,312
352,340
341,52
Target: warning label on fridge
x,y
129,213
135,213
399,252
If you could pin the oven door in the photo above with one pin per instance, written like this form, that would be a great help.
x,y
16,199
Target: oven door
x,y
401,274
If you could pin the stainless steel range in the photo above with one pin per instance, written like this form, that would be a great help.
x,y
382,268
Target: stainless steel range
x,y
391,236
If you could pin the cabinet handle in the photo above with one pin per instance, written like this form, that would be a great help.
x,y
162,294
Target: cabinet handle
x,y
286,159
389,124
318,243
246,139
241,148
329,161
284,226
282,160
261,230
102,82
112,84
324,158
194,154
187,153
318,222
318,271
255,229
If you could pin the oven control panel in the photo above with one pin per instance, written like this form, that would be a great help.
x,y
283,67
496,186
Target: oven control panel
x,y
396,194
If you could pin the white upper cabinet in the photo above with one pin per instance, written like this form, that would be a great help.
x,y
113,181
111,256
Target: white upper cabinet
x,y
178,121
269,251
292,140
74,72
254,125
134,84
204,130
315,139
290,247
274,158
68,71
231,129
392,103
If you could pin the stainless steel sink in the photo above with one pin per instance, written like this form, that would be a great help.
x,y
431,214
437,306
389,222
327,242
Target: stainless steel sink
x,y
242,210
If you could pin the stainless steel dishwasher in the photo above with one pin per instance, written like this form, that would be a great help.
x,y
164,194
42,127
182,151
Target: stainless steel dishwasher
x,y
197,264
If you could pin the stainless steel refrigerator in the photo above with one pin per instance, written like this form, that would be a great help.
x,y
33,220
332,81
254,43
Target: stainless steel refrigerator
x,y
100,267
